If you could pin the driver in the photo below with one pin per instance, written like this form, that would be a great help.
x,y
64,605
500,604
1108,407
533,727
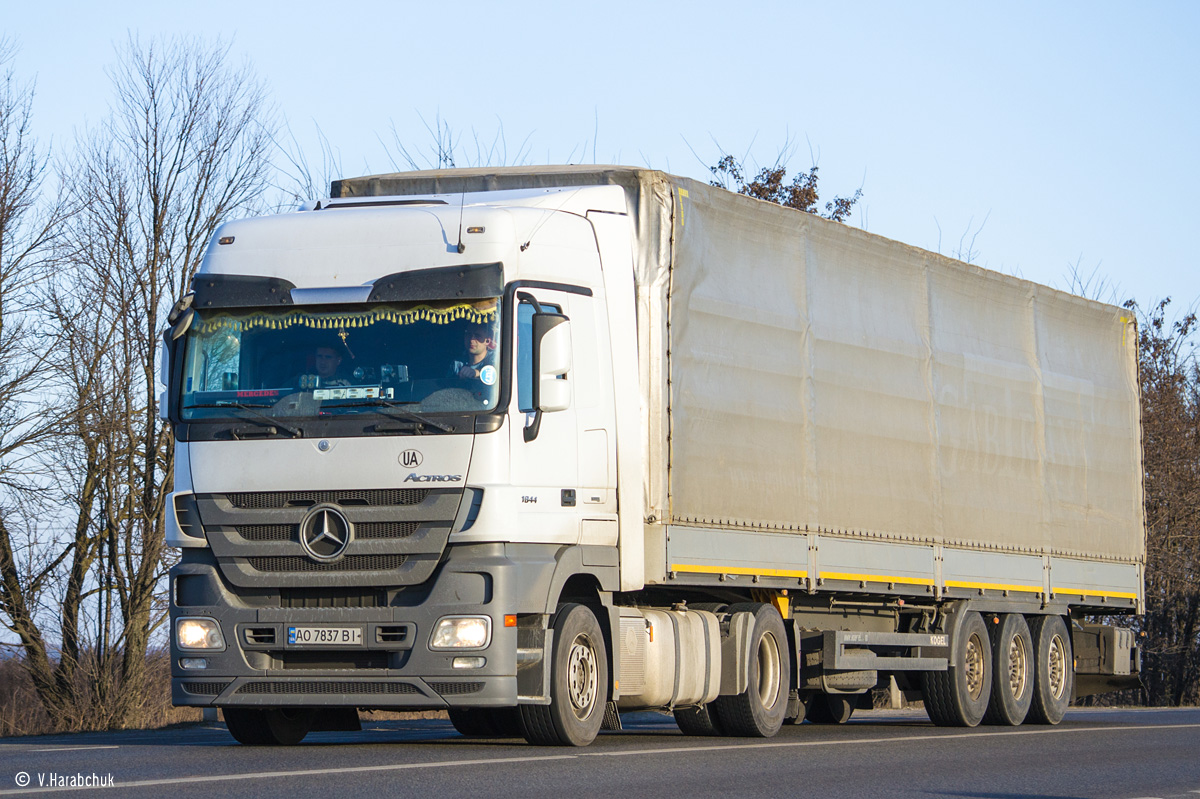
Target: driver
x,y
479,344
327,360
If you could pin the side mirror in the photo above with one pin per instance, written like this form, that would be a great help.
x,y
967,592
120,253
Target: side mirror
x,y
551,363
181,325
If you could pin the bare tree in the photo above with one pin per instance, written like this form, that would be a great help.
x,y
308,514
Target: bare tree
x,y
802,193
300,180
447,151
184,148
30,556
1170,385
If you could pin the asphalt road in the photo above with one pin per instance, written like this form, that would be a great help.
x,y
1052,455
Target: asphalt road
x,y
1124,754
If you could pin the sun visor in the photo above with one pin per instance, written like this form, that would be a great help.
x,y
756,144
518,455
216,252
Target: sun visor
x,y
473,282
240,291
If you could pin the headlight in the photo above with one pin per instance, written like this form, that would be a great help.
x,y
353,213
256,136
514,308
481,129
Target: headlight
x,y
198,633
461,632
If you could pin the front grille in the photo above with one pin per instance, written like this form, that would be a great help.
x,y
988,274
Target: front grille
x,y
385,529
378,497
456,688
340,661
205,688
268,532
328,687
332,598
260,635
291,532
350,563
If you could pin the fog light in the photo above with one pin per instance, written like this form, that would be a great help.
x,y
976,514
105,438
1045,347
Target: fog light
x,y
461,632
193,663
469,663
198,633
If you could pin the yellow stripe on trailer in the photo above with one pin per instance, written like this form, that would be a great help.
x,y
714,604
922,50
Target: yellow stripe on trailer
x,y
875,578
1086,594
697,569
1033,589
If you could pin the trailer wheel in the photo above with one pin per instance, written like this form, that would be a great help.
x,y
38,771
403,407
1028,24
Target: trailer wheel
x,y
1012,682
758,711
958,697
502,722
830,708
1054,670
578,683
268,726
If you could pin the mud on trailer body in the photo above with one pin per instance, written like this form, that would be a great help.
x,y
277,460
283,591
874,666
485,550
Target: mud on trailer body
x,y
538,446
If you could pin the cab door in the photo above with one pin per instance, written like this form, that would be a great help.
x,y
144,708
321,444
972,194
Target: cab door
x,y
545,467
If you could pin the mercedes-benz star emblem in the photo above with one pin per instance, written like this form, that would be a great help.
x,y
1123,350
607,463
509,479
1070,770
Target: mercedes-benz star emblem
x,y
325,533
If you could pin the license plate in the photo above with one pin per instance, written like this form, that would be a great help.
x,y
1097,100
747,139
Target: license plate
x,y
325,636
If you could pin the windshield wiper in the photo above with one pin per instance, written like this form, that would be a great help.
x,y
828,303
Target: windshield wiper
x,y
399,409
253,409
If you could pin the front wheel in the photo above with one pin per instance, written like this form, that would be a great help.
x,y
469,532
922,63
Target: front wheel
x,y
269,726
578,683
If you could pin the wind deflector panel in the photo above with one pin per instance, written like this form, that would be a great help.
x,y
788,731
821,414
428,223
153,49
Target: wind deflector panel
x,y
241,291
473,282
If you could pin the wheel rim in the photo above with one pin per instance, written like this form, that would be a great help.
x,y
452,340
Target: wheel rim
x,y
973,657
1018,666
768,670
581,676
1058,667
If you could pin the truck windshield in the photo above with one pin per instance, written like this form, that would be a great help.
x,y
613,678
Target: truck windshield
x,y
424,357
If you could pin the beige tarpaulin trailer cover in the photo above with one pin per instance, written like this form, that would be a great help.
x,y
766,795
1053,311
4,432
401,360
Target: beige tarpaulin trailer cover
x,y
801,374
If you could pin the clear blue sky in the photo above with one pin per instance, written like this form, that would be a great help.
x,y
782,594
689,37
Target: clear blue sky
x,y
1070,127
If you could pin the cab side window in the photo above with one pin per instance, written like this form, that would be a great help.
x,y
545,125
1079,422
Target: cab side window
x,y
525,311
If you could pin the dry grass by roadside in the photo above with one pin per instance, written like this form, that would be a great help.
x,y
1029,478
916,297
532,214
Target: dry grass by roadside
x,y
21,712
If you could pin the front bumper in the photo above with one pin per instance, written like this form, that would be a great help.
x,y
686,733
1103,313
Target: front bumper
x,y
393,668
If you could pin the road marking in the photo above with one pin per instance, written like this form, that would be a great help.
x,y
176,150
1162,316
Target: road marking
x,y
900,739
541,758
72,748
316,772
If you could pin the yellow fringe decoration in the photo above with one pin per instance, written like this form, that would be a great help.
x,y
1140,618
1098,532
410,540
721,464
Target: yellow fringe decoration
x,y
286,319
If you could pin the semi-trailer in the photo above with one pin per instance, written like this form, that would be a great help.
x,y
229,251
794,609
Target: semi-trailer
x,y
538,446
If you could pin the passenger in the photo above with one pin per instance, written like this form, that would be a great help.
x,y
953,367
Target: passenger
x,y
480,356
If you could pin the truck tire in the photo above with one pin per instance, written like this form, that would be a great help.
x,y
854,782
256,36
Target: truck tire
x,y
830,708
758,711
1012,680
1054,670
268,726
578,683
699,720
502,722
958,697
